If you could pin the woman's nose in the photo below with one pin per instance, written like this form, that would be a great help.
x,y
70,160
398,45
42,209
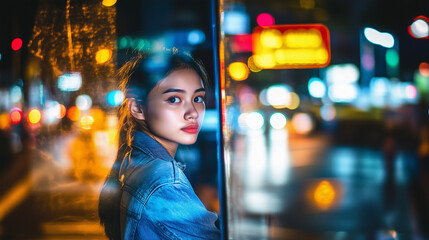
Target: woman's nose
x,y
191,112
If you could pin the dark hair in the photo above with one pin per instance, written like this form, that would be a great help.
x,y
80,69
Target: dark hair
x,y
138,77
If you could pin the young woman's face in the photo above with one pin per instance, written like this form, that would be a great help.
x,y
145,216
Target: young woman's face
x,y
175,108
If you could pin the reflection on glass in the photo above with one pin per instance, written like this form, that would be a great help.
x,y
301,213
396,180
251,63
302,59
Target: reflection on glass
x,y
329,152
279,163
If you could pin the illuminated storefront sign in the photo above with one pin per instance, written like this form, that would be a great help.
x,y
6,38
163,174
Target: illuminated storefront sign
x,y
291,46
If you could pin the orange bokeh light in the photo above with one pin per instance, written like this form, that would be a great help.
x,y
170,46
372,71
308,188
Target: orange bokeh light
x,y
4,121
62,112
324,194
103,55
74,113
424,69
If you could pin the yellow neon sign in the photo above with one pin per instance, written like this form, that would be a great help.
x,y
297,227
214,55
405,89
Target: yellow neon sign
x,y
291,46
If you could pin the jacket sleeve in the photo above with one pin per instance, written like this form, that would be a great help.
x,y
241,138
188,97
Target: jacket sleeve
x,y
175,212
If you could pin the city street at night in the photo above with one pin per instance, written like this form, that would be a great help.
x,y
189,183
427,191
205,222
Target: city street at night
x,y
277,119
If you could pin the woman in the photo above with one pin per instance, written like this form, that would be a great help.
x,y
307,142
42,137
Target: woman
x,y
147,195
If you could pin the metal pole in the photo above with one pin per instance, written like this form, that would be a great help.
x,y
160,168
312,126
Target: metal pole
x,y
215,27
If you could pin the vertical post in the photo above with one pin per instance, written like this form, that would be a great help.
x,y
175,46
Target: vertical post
x,y
215,27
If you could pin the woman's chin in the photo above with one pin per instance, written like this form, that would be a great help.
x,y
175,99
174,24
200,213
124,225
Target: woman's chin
x,y
188,140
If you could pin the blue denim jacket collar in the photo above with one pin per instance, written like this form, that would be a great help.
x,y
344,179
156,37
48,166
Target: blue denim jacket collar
x,y
153,148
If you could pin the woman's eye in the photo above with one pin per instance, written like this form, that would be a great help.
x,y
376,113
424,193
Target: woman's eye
x,y
199,99
174,100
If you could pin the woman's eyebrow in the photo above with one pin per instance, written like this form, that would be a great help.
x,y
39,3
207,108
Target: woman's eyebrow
x,y
174,90
182,91
200,90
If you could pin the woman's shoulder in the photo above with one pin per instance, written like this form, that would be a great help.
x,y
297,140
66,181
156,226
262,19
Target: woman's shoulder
x,y
142,179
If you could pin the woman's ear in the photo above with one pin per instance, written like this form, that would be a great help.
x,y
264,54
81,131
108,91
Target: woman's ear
x,y
135,109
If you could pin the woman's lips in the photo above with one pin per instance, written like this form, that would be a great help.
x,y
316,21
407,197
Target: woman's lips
x,y
191,128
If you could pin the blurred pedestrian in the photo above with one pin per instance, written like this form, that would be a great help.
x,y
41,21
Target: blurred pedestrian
x,y
147,195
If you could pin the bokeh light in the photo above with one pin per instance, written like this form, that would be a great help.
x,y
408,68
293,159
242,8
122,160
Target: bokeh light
x,y
410,91
247,96
103,55
15,93
328,112
368,61
343,92
294,101
196,37
379,38
238,71
74,113
265,19
83,102
99,118
242,121
4,121
342,82
109,3
263,97
392,58
342,73
34,116
278,120
252,66
115,98
316,87
15,115
324,194
255,120
278,96
51,112
16,44
70,82
63,111
302,123
86,122
419,28
236,22
424,69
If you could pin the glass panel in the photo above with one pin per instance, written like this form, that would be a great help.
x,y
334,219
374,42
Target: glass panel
x,y
325,119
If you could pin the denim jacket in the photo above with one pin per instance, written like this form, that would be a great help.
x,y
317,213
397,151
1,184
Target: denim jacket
x,y
158,201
